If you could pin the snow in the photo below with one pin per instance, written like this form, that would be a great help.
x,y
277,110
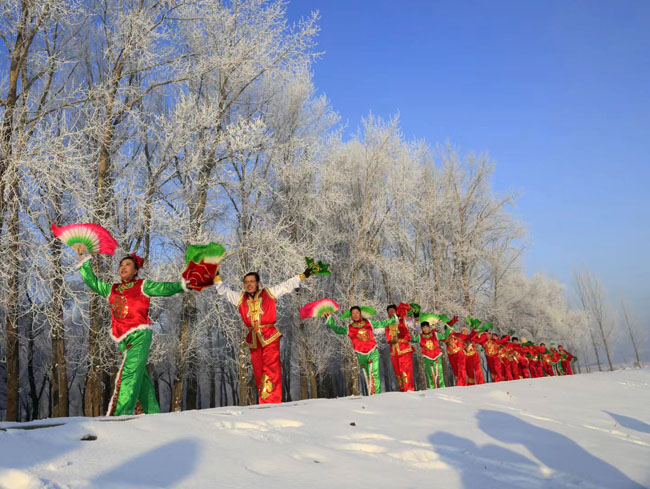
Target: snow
x,y
585,431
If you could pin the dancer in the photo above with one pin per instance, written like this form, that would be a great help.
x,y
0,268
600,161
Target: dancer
x,y
491,344
257,310
431,352
472,357
364,343
401,351
566,360
131,329
455,343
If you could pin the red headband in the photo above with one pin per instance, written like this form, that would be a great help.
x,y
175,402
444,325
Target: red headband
x,y
137,260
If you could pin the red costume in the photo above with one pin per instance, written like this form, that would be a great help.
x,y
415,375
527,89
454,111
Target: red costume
x,y
536,364
521,353
512,361
401,354
473,361
456,354
258,314
493,350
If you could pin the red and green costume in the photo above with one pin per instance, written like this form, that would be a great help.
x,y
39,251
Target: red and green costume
x,y
361,334
549,359
258,314
566,359
432,358
534,354
131,329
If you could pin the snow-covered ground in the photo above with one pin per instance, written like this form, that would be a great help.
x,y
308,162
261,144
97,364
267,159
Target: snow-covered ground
x,y
585,431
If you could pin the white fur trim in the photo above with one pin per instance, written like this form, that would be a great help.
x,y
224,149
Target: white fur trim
x,y
140,327
373,349
429,358
81,262
184,285
118,378
142,289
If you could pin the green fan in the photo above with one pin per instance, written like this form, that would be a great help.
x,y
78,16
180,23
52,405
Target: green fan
x,y
319,268
415,309
432,319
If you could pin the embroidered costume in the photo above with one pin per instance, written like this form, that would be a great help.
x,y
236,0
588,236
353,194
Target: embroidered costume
x,y
401,354
432,358
365,346
258,313
131,329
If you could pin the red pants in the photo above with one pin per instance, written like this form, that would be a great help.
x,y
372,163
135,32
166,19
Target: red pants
x,y
496,367
548,368
507,370
524,368
457,362
403,367
474,370
268,372
516,371
533,369
536,369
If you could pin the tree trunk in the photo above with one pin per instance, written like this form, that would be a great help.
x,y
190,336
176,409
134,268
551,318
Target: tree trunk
x,y
602,333
244,375
212,371
191,392
593,342
629,328
13,265
94,398
57,333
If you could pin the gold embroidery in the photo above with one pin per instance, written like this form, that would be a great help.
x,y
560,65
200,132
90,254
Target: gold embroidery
x,y
266,387
429,345
490,348
259,336
404,380
453,346
362,335
120,307
255,311
394,332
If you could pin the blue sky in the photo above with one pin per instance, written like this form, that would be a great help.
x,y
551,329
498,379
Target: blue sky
x,y
556,92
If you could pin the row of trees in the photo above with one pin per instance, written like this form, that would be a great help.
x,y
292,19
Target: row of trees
x,y
180,122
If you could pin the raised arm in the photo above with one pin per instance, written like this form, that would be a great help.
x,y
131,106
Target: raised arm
x,y
91,280
287,286
163,289
230,295
443,336
337,329
383,324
